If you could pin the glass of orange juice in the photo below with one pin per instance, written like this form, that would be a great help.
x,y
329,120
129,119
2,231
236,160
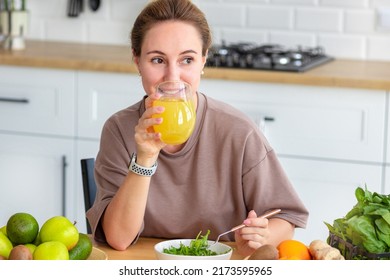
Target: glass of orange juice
x,y
178,118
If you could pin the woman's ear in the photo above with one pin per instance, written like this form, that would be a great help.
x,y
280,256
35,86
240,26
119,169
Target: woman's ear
x,y
135,57
136,61
204,58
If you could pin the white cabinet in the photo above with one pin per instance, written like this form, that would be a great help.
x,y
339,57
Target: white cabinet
x,y
327,189
36,176
38,101
36,142
101,95
333,123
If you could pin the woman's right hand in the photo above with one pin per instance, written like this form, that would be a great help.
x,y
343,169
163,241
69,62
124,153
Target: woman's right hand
x,y
149,142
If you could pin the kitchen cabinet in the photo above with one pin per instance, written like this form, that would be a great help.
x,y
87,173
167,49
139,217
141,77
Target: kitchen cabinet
x,y
328,190
307,121
35,176
36,146
101,95
37,101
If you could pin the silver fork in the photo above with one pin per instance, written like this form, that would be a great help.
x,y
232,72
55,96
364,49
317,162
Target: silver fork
x,y
266,215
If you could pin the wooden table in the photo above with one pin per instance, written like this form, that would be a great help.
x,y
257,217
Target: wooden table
x,y
144,250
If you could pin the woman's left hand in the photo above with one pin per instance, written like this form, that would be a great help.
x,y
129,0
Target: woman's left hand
x,y
253,236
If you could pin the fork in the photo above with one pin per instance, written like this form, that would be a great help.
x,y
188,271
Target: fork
x,y
266,215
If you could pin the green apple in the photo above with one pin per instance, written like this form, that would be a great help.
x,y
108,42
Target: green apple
x,y
31,247
51,250
59,228
4,230
5,245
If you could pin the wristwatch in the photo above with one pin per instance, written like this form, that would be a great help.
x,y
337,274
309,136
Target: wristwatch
x,y
140,170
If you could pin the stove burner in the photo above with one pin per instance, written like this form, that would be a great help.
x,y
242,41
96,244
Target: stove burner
x,y
266,57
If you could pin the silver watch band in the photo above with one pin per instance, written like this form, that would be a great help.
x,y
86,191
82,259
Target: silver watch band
x,y
140,170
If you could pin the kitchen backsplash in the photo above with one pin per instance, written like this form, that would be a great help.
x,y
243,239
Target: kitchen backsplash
x,y
345,28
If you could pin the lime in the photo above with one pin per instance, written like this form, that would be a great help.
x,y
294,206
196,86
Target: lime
x,y
22,228
37,240
83,248
51,250
5,246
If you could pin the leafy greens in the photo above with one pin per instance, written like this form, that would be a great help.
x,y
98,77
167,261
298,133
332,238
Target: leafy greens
x,y
197,247
367,224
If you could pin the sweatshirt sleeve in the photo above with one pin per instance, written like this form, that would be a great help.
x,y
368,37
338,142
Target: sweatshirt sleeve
x,y
266,185
110,171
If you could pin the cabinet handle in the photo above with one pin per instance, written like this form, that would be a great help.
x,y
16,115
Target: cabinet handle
x,y
14,100
262,120
269,119
64,165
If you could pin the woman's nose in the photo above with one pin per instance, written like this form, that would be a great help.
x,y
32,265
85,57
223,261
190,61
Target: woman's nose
x,y
172,72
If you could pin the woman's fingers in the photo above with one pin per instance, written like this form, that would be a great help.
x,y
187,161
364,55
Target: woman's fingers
x,y
146,122
256,231
150,99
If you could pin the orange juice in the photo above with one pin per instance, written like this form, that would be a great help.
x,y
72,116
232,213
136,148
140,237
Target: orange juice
x,y
178,120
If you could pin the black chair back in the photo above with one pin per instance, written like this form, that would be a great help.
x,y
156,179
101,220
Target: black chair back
x,y
89,185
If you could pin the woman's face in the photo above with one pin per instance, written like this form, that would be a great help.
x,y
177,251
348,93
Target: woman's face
x,y
171,50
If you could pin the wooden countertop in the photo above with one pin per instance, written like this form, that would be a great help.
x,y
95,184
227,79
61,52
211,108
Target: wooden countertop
x,y
109,58
144,250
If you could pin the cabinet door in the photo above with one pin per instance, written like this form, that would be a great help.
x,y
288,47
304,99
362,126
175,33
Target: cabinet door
x,y
39,101
328,190
101,95
36,176
85,149
320,122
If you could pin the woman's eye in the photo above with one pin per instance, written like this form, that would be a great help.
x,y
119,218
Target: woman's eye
x,y
157,60
187,60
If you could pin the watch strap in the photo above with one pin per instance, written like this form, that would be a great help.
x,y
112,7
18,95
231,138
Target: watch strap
x,y
141,170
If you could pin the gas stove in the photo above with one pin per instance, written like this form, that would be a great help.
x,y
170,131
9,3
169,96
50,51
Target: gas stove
x,y
266,57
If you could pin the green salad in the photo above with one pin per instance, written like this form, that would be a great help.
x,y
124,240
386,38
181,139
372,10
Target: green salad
x,y
197,247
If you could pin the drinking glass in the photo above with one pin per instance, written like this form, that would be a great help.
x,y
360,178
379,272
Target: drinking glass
x,y
178,118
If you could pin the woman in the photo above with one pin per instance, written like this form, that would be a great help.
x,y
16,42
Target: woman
x,y
225,174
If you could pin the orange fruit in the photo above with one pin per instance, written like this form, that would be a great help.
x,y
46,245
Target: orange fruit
x,y
293,250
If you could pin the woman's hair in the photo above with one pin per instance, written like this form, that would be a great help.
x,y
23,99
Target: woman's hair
x,y
164,10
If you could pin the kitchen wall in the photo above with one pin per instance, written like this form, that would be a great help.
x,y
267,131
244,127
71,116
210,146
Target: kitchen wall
x,y
345,28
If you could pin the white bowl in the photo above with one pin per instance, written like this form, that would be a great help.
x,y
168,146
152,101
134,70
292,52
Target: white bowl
x,y
224,252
